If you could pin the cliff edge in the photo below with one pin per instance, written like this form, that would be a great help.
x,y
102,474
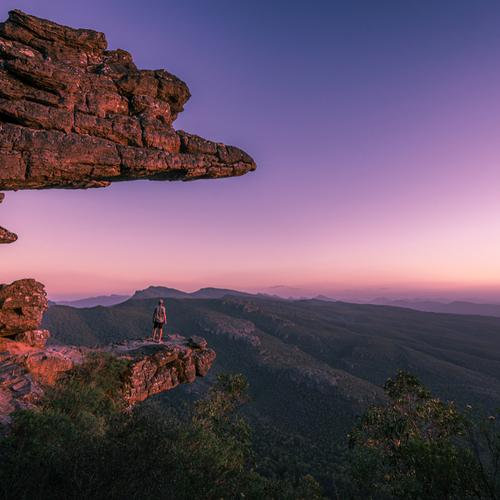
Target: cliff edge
x,y
76,115
28,366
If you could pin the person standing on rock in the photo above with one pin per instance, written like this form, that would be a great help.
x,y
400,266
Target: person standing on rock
x,y
159,319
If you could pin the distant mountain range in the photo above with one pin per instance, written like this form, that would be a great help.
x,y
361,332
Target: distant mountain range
x,y
312,365
162,292
152,292
456,307
304,357
101,300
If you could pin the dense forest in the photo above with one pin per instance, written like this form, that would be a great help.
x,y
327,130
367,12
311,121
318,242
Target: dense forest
x,y
82,443
313,368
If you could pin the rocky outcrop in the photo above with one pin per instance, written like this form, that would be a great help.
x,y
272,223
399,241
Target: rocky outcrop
x,y
26,370
76,115
27,365
160,367
5,235
34,338
22,304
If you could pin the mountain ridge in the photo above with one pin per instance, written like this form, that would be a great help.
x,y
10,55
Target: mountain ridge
x,y
98,300
310,359
162,292
462,307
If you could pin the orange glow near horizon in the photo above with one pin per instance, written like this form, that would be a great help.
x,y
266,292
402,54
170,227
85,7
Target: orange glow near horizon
x,y
80,254
378,160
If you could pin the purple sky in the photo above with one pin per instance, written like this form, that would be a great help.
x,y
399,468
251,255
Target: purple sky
x,y
375,128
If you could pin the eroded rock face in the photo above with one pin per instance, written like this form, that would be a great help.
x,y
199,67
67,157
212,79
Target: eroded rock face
x,y
34,338
22,304
26,370
76,115
5,235
158,368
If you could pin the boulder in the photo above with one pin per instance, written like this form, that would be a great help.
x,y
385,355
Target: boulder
x,y
22,304
35,338
6,236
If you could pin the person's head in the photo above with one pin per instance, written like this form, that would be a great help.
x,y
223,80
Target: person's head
x,y
160,302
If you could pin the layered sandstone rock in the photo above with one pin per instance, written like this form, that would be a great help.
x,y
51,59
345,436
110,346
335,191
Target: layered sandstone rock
x,y
26,370
76,115
22,304
160,367
27,365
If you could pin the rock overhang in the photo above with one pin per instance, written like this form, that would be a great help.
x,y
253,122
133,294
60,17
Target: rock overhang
x,y
76,115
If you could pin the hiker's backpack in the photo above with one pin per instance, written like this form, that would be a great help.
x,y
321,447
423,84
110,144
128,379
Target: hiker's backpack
x,y
159,315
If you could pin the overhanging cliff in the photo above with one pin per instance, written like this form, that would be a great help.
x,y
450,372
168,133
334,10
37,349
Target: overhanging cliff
x,y
76,115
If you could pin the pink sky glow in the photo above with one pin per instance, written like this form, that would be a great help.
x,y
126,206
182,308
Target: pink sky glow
x,y
376,138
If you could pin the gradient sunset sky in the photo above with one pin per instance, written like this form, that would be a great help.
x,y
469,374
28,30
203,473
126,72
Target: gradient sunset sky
x,y
375,126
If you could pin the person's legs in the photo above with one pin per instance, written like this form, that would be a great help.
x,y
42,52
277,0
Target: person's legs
x,y
154,332
160,335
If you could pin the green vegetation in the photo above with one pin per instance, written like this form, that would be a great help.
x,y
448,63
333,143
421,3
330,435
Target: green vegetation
x,y
457,357
81,444
313,367
419,447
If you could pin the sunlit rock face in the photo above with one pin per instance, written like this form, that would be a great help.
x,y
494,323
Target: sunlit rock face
x,y
28,365
76,115
26,370
157,368
22,304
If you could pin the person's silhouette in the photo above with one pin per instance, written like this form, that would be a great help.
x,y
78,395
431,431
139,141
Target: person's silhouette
x,y
159,320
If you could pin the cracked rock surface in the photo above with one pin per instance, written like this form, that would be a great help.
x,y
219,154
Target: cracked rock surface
x,y
26,370
76,115
28,366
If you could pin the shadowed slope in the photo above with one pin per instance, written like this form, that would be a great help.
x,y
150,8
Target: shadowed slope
x,y
307,361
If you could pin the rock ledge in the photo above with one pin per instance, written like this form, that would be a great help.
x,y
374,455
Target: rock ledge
x,y
154,368
76,115
27,365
